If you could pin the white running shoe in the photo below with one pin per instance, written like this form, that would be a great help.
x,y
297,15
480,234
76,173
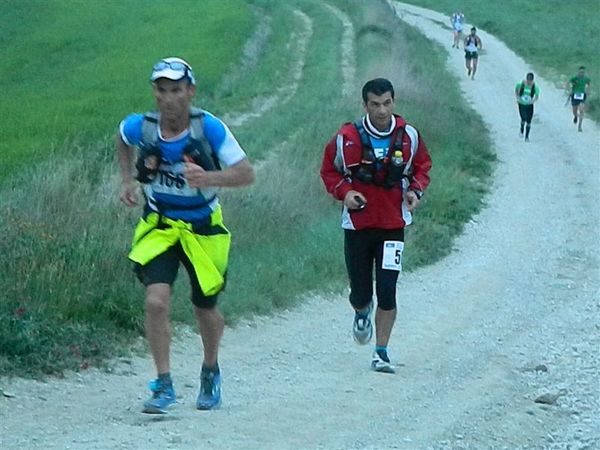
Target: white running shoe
x,y
362,328
381,363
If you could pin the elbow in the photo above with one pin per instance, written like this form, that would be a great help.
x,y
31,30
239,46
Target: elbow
x,y
251,176
242,174
248,175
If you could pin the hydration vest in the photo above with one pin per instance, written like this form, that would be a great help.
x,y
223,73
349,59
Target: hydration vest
x,y
381,173
198,147
471,39
522,90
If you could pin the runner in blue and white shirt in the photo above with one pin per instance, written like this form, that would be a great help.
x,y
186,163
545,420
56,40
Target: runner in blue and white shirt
x,y
185,154
170,187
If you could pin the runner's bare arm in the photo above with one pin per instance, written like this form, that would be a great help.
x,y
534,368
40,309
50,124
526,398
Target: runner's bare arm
x,y
126,157
239,174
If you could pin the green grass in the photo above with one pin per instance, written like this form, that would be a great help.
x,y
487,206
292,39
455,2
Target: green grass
x,y
71,69
64,271
555,36
63,304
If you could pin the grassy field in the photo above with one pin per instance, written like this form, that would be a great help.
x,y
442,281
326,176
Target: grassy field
x,y
555,36
70,296
70,69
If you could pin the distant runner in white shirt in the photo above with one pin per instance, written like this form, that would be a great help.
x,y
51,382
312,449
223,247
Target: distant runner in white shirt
x,y
457,20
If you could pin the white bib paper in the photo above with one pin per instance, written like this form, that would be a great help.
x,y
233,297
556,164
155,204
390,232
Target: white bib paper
x,y
170,180
579,96
392,255
526,98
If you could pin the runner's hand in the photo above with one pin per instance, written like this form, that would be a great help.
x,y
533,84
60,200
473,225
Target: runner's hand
x,y
412,201
195,175
128,194
350,201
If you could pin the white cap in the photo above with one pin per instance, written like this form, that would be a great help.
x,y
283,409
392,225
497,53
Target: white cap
x,y
174,69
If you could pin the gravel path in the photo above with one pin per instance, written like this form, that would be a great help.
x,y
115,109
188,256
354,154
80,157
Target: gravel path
x,y
509,320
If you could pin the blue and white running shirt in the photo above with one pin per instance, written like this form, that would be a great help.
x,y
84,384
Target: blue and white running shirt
x,y
169,189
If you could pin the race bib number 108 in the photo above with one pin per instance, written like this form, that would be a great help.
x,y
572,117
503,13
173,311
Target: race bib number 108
x,y
392,255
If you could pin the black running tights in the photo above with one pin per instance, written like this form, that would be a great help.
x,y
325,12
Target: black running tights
x,y
361,249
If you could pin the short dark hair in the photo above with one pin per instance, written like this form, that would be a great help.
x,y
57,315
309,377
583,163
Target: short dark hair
x,y
473,29
377,86
530,76
581,67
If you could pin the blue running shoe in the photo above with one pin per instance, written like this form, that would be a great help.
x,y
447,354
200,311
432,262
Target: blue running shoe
x,y
163,396
362,328
209,396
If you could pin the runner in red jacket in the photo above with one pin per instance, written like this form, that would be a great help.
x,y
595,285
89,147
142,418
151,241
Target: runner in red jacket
x,y
379,168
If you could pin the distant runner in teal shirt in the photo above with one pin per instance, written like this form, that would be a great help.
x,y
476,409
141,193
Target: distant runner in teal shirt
x,y
579,86
527,93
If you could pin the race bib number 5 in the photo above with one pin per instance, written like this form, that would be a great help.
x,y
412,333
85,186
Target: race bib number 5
x,y
392,255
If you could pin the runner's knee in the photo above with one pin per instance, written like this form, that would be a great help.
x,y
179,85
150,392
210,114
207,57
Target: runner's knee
x,y
156,304
386,302
360,301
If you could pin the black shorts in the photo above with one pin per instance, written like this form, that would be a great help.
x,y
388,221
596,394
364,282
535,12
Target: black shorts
x,y
362,249
526,113
578,102
471,55
164,268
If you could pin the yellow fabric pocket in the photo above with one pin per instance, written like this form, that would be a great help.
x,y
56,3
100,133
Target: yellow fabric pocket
x,y
208,253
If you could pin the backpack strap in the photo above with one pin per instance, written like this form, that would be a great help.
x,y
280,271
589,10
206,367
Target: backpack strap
x,y
199,148
398,141
197,127
364,137
522,89
148,147
150,129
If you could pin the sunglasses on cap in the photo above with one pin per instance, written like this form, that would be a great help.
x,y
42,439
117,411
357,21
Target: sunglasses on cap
x,y
174,70
175,65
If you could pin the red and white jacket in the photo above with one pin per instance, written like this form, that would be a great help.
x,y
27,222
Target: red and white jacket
x,y
386,208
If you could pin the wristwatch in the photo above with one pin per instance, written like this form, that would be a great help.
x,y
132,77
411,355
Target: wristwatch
x,y
419,194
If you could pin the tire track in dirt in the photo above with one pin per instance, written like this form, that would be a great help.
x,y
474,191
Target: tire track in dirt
x,y
348,58
297,45
251,52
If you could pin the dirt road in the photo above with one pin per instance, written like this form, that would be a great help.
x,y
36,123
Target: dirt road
x,y
511,315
